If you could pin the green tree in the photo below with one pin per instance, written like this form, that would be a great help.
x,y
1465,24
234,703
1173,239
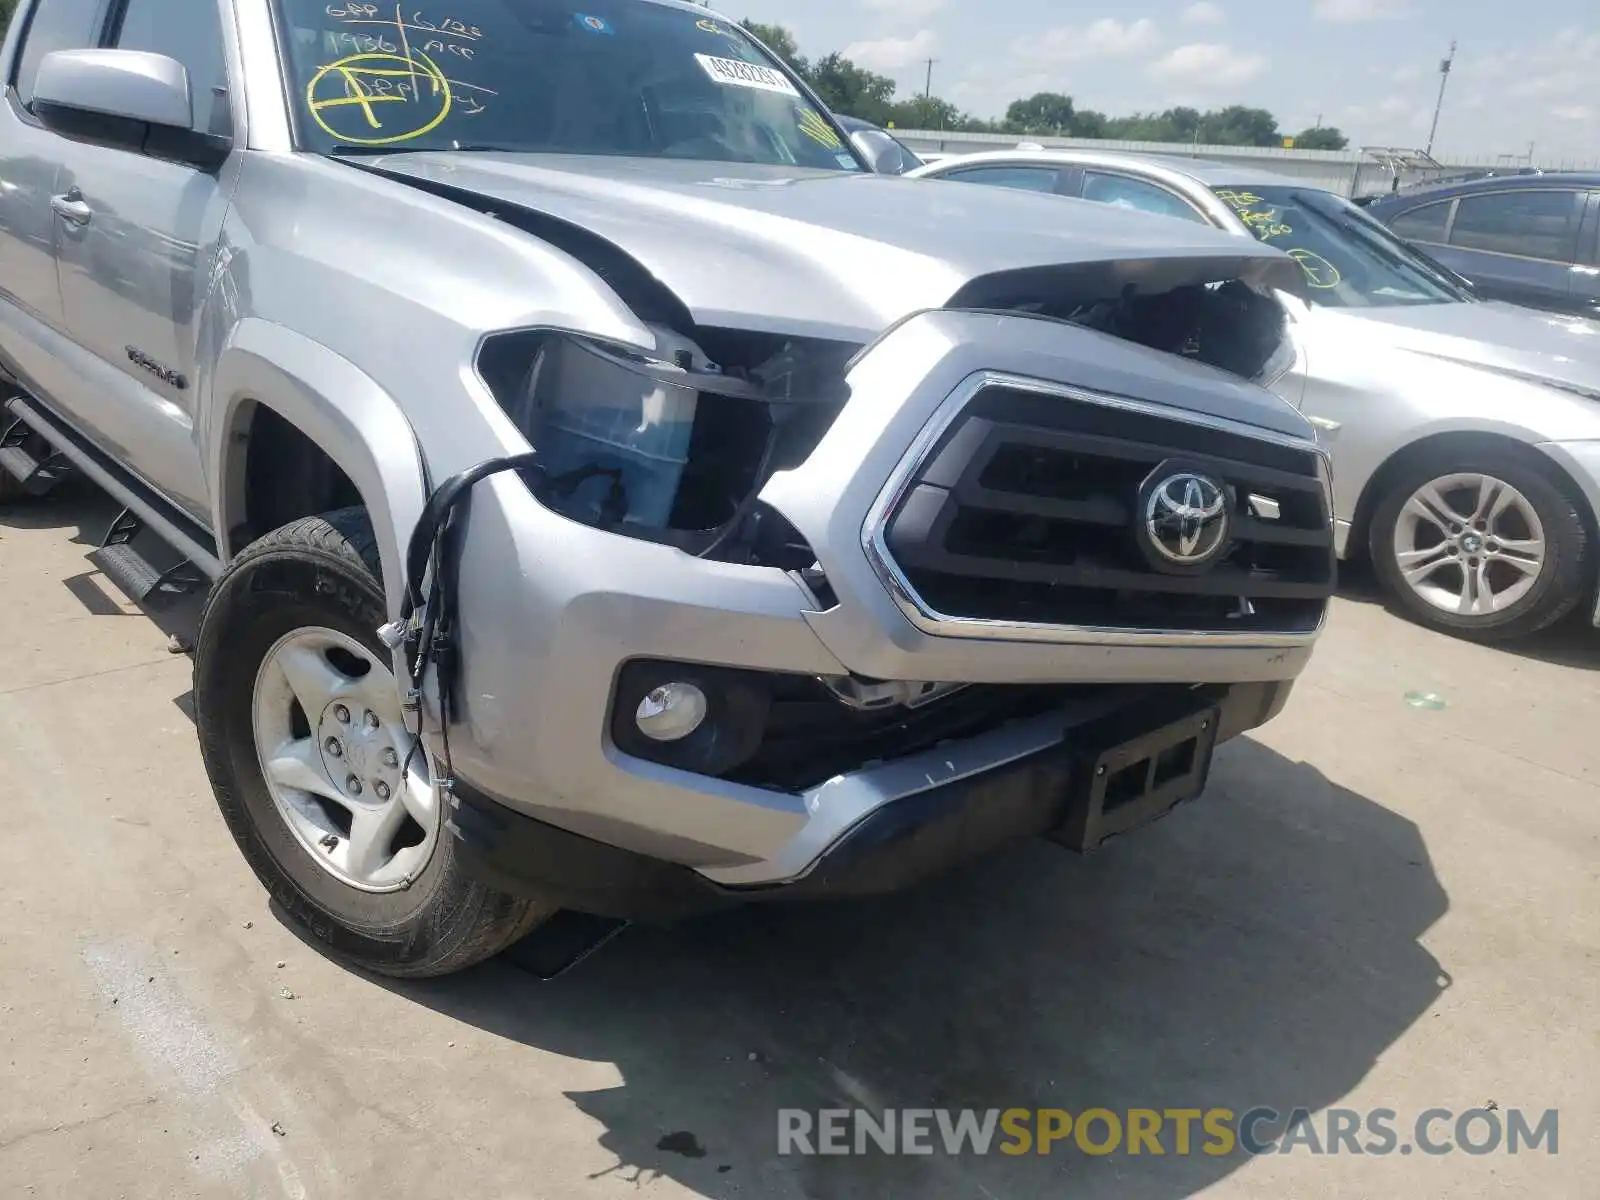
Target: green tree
x,y
1043,112
6,9
1321,137
1237,125
851,90
777,39
926,112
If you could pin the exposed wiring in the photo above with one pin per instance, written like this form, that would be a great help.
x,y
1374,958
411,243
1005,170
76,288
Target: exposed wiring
x,y
426,628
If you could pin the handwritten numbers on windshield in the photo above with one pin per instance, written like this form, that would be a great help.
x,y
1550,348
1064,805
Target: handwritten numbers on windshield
x,y
348,99
368,14
1263,222
1320,273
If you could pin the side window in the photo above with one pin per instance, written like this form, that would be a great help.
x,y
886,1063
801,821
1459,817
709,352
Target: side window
x,y
1530,224
1121,192
1028,179
1425,224
191,32
54,25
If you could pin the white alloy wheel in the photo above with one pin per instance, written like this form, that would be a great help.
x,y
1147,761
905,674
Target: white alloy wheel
x,y
1469,544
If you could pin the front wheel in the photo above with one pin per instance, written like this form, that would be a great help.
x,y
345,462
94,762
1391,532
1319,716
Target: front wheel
x,y
323,786
1484,546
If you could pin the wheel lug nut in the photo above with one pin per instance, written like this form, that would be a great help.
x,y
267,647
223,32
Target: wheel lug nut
x,y
370,720
381,790
353,786
391,758
341,714
334,749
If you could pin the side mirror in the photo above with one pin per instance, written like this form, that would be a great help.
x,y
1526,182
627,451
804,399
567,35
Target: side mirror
x,y
125,99
880,150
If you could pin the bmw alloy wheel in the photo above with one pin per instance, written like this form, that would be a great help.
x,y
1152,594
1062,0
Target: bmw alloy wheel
x,y
1469,544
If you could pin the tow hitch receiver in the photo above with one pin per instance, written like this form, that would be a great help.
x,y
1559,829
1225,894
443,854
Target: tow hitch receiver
x,y
1143,775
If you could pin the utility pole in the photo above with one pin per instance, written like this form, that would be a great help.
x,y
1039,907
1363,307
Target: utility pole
x,y
1444,78
927,88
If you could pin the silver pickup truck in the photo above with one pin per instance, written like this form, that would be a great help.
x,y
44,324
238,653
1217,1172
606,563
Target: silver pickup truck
x,y
612,495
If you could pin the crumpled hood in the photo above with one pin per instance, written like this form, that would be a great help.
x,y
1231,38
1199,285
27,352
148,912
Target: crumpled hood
x,y
1522,342
834,254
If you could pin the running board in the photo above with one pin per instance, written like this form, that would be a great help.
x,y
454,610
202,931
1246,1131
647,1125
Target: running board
x,y
138,506
37,476
142,581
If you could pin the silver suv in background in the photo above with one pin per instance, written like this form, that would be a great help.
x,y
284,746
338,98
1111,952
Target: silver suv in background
x,y
611,496
1465,435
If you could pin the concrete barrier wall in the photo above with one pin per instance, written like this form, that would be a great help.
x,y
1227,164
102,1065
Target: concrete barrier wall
x,y
1348,172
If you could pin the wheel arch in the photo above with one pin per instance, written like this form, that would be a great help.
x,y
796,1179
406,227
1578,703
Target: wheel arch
x,y
336,411
1461,442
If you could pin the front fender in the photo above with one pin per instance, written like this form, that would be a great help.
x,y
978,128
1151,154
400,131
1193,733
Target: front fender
x,y
335,404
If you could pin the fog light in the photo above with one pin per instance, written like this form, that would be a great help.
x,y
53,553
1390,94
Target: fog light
x,y
671,712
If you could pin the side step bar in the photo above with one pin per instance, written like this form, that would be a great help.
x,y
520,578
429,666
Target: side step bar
x,y
139,579
37,476
117,557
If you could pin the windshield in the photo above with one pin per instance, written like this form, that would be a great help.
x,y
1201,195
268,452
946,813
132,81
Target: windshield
x,y
626,77
1350,260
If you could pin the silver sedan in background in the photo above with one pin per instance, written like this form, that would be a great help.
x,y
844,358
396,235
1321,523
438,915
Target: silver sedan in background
x,y
1465,434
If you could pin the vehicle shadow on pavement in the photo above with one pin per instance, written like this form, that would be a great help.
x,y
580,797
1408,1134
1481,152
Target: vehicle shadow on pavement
x,y
88,512
1260,947
1571,642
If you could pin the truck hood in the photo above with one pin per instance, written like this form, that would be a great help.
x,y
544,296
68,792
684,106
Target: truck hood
x,y
1504,338
836,254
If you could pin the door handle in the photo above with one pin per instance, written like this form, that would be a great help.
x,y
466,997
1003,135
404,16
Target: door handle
x,y
71,207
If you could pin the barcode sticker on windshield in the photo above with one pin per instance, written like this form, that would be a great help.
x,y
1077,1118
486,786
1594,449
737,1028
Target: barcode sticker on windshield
x,y
733,73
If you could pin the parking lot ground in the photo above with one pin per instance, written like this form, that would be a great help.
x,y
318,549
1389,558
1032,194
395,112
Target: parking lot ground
x,y
1374,906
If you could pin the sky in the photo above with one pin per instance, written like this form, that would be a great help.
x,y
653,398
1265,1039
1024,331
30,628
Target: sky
x,y
1524,72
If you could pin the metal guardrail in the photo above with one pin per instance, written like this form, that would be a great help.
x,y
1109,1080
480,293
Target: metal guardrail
x,y
1348,172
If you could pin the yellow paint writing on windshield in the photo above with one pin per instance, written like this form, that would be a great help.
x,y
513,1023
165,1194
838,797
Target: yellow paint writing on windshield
x,y
818,130
1265,225
1262,222
355,90
1320,273
368,14
1238,199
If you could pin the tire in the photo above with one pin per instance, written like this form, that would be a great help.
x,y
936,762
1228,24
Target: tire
x,y
1528,510
308,589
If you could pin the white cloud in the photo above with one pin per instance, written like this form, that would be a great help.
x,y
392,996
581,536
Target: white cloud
x,y
1208,64
892,53
1203,12
1573,112
1105,38
910,10
1361,10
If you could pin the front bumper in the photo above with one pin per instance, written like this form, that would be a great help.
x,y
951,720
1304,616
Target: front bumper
x,y
897,841
551,611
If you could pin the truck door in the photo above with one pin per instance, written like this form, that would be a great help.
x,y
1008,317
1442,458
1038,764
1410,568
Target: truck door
x,y
136,250
31,322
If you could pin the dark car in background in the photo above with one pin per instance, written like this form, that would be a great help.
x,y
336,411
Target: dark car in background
x,y
1529,239
908,159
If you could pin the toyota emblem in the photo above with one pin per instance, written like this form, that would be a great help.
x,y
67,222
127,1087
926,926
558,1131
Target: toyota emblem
x,y
1185,524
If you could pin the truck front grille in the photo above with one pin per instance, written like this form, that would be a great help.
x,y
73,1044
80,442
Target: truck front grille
x,y
1028,509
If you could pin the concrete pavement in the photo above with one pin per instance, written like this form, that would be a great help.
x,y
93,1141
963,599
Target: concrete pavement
x,y
1374,906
